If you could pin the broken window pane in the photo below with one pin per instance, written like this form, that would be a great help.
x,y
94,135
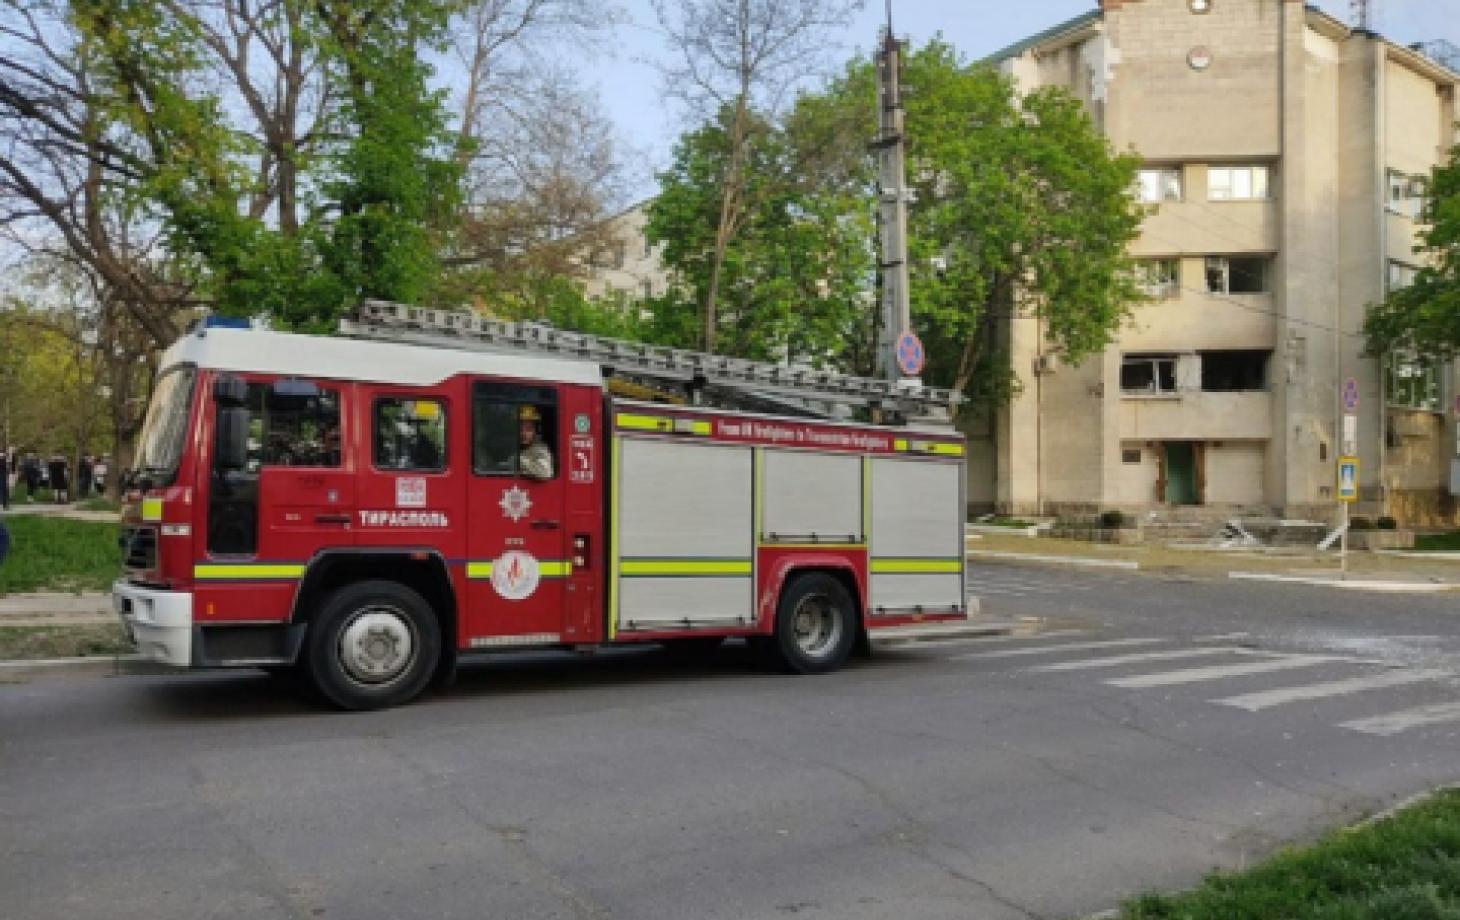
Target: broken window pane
x,y
1217,275
1234,371
1247,276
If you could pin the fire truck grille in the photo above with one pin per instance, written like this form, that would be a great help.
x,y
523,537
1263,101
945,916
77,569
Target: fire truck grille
x,y
139,547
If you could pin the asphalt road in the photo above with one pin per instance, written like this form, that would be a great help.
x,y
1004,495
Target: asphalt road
x,y
1142,732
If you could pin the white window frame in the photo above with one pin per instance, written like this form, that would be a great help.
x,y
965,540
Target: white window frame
x,y
1400,198
1246,182
1154,361
1158,184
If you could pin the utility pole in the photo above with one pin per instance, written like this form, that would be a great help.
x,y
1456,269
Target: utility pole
x,y
891,147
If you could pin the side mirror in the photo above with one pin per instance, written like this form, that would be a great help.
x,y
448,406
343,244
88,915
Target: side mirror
x,y
231,439
229,390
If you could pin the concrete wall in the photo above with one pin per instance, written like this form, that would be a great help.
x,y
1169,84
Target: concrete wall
x,y
1236,471
1169,111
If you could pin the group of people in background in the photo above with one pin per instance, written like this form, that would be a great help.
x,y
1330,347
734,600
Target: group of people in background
x,y
30,472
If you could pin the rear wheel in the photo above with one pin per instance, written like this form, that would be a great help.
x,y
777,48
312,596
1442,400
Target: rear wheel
x,y
374,645
816,625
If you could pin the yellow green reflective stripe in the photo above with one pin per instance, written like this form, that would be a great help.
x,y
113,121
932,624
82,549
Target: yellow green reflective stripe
x,y
546,568
644,422
662,423
151,509
916,566
937,448
702,567
249,570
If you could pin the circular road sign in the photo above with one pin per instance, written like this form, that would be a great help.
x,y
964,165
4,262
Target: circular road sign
x,y
910,355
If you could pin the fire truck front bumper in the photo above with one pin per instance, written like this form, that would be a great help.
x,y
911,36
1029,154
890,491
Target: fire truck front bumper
x,y
160,622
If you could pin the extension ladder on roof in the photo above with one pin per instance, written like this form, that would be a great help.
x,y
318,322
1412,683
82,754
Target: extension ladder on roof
x,y
737,382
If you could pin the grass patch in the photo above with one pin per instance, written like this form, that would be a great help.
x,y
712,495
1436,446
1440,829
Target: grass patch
x,y
56,554
90,639
1406,867
1438,541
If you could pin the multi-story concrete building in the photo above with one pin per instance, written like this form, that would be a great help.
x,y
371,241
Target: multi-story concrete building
x,y
1284,162
623,262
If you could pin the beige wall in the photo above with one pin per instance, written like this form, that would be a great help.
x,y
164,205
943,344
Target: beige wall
x,y
1167,110
1236,472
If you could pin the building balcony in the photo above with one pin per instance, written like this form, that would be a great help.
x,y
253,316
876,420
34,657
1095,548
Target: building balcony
x,y
1194,415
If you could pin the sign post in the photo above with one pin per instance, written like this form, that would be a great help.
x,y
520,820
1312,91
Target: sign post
x,y
1348,467
1348,493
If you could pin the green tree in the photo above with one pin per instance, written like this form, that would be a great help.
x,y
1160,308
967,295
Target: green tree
x,y
378,181
1423,319
793,280
1021,208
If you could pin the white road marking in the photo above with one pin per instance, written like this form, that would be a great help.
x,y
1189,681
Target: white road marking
x,y
1217,672
1223,637
1395,722
964,641
1066,647
1253,702
1118,660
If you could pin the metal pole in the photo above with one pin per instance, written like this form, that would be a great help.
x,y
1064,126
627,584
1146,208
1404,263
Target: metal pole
x,y
892,206
1343,545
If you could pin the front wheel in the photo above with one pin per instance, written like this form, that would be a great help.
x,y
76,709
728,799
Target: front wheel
x,y
374,645
816,625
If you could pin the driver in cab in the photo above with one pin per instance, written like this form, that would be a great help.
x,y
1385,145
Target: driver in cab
x,y
535,458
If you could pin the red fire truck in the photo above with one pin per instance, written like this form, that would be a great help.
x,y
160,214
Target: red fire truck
x,y
366,509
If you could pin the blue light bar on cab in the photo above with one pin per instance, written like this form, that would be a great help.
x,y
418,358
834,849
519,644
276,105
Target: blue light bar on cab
x,y
225,322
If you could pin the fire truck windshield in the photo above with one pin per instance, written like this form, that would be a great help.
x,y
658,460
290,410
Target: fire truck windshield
x,y
160,445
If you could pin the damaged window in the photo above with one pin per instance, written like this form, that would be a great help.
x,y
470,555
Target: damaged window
x,y
1237,274
1234,371
1147,375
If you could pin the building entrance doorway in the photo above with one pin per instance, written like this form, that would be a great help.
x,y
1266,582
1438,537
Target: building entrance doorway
x,y
1180,474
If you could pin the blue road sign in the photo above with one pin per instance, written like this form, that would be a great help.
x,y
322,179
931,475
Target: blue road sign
x,y
1350,395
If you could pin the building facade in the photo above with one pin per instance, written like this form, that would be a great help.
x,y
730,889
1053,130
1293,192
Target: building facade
x,y
1285,157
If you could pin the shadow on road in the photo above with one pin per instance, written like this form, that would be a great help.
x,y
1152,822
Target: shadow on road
x,y
251,695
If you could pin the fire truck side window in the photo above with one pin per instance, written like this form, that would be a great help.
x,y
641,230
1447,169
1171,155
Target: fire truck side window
x,y
497,413
410,434
292,429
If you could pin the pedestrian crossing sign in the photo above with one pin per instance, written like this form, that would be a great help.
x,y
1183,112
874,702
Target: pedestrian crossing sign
x,y
1348,479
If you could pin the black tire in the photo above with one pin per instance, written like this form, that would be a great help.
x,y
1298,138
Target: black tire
x,y
816,625
393,640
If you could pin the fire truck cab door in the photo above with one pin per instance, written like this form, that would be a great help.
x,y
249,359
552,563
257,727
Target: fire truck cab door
x,y
518,560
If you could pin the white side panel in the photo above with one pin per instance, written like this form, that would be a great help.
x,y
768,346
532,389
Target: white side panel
x,y
931,592
682,500
809,494
917,512
660,603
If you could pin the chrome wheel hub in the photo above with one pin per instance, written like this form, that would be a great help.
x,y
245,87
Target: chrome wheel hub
x,y
378,645
815,626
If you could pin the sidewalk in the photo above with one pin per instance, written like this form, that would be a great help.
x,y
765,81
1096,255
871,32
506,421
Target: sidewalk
x,y
1366,571
70,512
51,609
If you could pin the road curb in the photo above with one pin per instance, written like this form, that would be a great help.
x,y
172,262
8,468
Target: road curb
x,y
1080,561
1352,584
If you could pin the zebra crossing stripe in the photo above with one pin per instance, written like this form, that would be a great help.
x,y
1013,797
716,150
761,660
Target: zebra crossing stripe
x,y
1217,672
1066,647
1395,722
1118,660
1266,699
